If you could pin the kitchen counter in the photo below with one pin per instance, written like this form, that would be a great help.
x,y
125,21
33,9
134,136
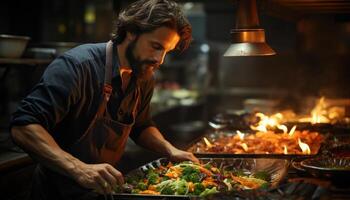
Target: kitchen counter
x,y
16,171
10,160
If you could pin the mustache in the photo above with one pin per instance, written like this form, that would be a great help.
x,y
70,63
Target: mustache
x,y
149,62
153,63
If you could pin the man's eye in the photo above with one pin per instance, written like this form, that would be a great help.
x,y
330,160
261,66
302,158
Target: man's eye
x,y
157,47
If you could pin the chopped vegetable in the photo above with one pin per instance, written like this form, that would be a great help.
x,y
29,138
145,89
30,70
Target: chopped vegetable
x,y
249,182
187,178
262,175
198,188
207,192
141,186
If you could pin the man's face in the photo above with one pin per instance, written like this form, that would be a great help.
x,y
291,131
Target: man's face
x,y
147,51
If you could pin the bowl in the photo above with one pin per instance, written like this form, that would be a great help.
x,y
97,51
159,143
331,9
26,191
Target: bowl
x,y
334,169
12,46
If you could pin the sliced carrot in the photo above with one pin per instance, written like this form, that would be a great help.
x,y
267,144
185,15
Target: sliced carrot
x,y
149,192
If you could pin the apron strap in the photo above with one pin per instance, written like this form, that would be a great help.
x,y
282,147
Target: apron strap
x,y
107,90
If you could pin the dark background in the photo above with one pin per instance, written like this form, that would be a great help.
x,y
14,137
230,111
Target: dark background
x,y
312,41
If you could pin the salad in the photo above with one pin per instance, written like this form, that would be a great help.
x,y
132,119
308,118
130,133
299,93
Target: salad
x,y
187,178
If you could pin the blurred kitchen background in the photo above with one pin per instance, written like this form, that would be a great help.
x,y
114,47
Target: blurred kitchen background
x,y
311,39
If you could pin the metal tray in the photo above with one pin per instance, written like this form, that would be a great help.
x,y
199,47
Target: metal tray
x,y
250,155
276,168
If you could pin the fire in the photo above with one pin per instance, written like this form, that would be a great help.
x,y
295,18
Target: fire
x,y
319,113
304,147
283,128
244,146
267,122
324,112
271,122
207,142
285,149
302,142
240,135
292,130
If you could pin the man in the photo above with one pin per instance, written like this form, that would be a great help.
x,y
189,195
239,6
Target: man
x,y
76,120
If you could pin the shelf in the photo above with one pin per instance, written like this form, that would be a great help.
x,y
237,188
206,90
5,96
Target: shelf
x,y
23,61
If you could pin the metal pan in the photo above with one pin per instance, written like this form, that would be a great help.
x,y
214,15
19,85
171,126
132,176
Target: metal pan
x,y
253,155
276,168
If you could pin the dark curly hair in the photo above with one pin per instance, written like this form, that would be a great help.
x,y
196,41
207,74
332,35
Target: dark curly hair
x,y
147,15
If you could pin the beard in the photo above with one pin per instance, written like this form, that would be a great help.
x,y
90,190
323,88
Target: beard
x,y
141,69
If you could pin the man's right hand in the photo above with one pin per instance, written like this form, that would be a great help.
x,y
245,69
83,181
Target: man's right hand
x,y
42,146
99,177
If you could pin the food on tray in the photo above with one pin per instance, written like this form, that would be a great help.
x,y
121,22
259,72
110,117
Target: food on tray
x,y
187,178
300,142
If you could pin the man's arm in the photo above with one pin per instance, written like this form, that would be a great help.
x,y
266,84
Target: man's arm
x,y
40,145
152,139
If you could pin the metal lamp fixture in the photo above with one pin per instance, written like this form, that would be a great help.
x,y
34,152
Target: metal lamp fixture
x,y
248,39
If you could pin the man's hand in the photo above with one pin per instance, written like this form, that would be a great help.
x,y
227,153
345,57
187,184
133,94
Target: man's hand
x,y
35,139
178,155
100,177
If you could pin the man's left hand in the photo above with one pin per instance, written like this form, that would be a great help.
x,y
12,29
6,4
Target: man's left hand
x,y
178,155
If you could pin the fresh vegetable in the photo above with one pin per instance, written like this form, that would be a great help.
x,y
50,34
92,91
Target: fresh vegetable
x,y
198,188
141,186
262,175
187,178
207,192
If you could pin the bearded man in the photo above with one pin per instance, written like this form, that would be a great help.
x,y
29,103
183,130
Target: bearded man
x,y
75,122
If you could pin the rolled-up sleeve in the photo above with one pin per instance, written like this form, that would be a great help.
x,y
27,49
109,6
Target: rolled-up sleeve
x,y
144,119
50,100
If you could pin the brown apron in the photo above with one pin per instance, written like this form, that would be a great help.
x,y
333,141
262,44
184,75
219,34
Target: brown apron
x,y
103,142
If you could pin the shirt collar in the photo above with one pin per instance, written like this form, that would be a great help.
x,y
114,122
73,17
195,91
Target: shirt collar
x,y
117,69
115,62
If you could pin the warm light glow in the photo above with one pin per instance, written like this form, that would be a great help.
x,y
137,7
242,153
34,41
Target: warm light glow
x,y
304,147
240,135
267,122
285,149
283,128
318,114
261,143
244,146
207,142
291,132
90,15
321,113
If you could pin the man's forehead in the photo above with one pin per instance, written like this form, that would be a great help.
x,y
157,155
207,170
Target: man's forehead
x,y
165,36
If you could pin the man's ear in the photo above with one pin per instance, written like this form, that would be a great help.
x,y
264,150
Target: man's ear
x,y
130,36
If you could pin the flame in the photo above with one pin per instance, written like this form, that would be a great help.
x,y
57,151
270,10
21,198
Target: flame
x,y
240,135
267,122
319,113
304,147
244,146
283,128
285,149
336,112
292,130
207,142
